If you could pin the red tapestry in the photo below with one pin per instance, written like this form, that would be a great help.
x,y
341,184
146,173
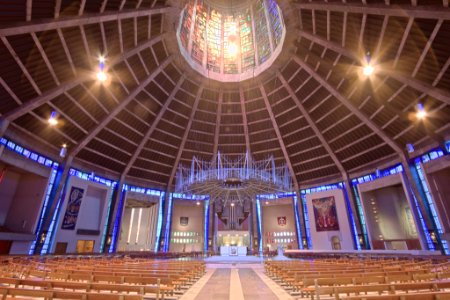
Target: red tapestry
x,y
325,214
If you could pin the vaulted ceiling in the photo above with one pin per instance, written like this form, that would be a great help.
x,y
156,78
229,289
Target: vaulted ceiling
x,y
312,109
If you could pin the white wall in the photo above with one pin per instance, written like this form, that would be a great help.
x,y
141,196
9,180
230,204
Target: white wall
x,y
270,214
322,240
187,208
91,191
147,229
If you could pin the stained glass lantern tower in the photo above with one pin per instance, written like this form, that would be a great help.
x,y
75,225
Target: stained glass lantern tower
x,y
231,42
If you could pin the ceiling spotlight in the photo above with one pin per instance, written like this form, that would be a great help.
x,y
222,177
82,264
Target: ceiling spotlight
x,y
198,203
101,59
267,202
232,204
63,151
53,121
368,70
101,76
421,112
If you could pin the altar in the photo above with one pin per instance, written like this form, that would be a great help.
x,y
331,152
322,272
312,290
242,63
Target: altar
x,y
233,242
233,251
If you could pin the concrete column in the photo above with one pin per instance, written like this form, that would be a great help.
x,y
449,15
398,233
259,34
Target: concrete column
x,y
413,192
348,194
59,191
301,219
167,220
117,194
3,127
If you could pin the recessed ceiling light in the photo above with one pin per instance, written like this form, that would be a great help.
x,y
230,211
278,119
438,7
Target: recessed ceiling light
x,y
421,112
368,70
53,121
101,76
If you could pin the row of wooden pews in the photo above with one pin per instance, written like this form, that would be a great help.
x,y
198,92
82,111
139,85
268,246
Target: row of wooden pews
x,y
362,278
108,278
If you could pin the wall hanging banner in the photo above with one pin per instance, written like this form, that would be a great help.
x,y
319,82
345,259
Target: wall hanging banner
x,y
325,214
73,208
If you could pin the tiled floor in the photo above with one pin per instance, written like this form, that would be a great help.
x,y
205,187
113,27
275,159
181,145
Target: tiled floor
x,y
235,282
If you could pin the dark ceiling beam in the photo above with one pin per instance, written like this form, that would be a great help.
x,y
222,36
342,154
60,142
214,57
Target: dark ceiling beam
x,y
426,88
403,41
244,119
22,67
94,131
184,139
217,129
369,123
86,19
65,87
29,9
279,136
82,6
152,128
377,9
311,123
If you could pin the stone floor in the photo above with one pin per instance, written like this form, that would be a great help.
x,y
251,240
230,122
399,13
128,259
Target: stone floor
x,y
239,280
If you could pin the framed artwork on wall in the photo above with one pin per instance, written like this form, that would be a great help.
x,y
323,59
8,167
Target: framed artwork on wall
x,y
325,214
73,208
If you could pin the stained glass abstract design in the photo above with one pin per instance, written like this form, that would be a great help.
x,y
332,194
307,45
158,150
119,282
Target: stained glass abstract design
x,y
232,43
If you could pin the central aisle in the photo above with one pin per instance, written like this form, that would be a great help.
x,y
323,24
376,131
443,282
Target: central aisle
x,y
235,281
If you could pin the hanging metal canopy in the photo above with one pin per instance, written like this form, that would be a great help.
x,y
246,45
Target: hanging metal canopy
x,y
230,181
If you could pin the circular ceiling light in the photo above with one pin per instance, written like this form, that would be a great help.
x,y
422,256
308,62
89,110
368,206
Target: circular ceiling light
x,y
231,42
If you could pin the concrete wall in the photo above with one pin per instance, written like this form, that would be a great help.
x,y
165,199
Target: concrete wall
x,y
438,182
388,214
8,188
270,214
21,198
145,240
323,240
90,201
24,212
195,213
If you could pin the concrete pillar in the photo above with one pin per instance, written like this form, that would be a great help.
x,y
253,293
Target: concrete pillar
x,y
59,191
413,192
301,219
167,220
348,194
116,211
3,127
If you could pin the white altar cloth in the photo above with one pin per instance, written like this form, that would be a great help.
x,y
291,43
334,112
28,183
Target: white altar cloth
x,y
233,251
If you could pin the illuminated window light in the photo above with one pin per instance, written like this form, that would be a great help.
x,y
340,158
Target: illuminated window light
x,y
131,226
139,225
421,112
232,204
53,121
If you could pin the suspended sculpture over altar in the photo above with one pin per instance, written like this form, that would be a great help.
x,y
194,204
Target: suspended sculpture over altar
x,y
233,180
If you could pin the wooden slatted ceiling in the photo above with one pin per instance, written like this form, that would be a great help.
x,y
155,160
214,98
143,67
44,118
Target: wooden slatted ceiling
x,y
34,63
